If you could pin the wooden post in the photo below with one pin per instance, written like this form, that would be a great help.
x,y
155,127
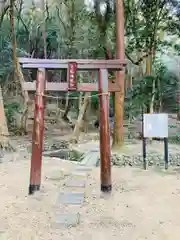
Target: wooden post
x,y
37,136
105,152
118,136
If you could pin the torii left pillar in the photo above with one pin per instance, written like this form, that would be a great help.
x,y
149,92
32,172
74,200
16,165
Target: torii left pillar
x,y
37,135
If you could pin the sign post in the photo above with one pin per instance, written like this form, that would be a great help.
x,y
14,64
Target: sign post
x,y
155,126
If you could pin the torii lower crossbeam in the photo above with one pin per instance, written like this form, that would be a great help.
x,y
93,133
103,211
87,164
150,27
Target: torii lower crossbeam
x,y
103,87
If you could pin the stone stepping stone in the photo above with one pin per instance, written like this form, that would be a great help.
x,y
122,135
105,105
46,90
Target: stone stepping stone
x,y
75,183
74,198
79,174
83,169
66,219
93,159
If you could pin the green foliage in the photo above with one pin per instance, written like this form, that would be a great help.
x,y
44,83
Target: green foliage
x,y
10,110
140,95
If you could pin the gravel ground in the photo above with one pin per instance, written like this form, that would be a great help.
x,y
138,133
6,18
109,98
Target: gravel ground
x,y
143,204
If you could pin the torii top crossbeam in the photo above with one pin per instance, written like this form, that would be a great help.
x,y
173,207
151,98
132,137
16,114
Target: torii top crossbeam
x,y
82,64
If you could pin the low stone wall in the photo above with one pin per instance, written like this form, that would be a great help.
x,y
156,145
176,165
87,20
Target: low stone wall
x,y
55,145
153,159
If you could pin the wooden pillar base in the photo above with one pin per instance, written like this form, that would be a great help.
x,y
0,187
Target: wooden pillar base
x,y
33,188
106,188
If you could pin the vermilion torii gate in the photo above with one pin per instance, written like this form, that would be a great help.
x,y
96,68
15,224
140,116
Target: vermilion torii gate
x,y
41,85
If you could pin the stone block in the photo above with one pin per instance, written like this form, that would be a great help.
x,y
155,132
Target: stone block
x,y
83,169
79,174
67,220
75,183
74,198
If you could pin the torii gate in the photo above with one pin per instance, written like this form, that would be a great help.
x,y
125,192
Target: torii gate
x,y
103,87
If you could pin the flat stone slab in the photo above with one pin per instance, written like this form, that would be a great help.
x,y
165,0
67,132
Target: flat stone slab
x,y
88,146
74,198
67,219
83,169
79,174
75,183
91,159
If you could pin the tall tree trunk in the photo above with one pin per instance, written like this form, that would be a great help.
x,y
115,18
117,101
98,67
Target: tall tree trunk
x,y
4,133
63,113
178,93
17,70
4,6
118,136
148,65
159,96
43,3
140,67
149,73
67,108
77,128
153,97
128,82
178,100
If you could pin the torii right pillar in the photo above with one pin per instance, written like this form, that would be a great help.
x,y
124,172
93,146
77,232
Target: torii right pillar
x,y
105,151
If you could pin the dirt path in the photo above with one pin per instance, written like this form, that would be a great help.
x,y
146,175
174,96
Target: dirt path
x,y
143,205
24,217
